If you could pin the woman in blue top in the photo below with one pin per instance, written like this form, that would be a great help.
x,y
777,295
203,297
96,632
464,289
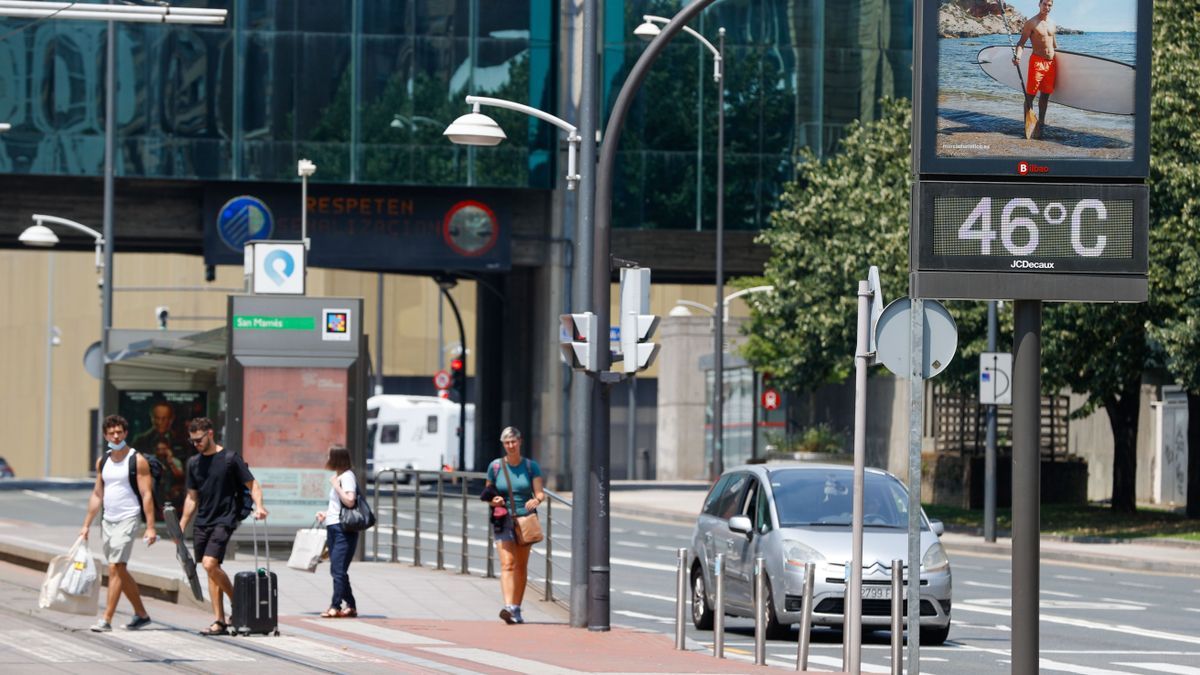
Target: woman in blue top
x,y
526,482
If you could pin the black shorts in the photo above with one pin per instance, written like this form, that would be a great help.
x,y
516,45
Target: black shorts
x,y
211,541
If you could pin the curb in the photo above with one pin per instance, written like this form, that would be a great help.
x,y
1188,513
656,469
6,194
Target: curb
x,y
1083,557
45,484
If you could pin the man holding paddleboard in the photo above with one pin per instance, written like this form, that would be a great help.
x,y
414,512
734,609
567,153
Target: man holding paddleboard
x,y
1041,33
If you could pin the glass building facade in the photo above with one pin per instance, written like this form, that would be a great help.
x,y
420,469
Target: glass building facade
x,y
365,88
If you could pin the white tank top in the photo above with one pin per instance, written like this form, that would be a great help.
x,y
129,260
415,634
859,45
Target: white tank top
x,y
120,502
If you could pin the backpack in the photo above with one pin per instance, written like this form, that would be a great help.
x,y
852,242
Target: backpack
x,y
156,474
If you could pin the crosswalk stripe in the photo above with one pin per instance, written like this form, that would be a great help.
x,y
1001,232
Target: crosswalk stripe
x,y
55,648
370,630
1163,668
1059,667
1083,623
178,647
494,659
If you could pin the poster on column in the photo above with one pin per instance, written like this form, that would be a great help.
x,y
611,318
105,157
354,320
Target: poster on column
x,y
292,416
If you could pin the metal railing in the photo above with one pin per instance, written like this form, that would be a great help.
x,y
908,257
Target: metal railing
x,y
415,479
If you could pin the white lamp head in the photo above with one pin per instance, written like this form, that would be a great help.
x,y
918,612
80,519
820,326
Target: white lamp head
x,y
647,31
4,126
305,168
39,235
475,129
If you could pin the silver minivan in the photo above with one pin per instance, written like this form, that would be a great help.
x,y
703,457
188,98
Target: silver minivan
x,y
791,514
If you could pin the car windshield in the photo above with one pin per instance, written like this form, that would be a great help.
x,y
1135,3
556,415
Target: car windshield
x,y
809,498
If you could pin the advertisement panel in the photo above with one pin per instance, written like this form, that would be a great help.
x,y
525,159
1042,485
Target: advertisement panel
x,y
1035,89
158,426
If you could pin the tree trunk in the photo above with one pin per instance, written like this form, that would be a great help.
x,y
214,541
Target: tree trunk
x,y
1193,470
1123,419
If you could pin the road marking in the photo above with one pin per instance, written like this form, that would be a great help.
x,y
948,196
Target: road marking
x,y
1062,604
1067,577
1065,595
652,596
1083,623
1132,584
1163,668
493,659
984,626
375,632
633,544
1191,609
1128,602
54,648
1047,664
175,646
980,584
56,500
644,617
837,663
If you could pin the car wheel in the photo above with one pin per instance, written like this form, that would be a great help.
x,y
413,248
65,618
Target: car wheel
x,y
775,629
702,613
933,637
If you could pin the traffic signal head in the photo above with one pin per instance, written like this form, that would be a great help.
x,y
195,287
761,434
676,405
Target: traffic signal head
x,y
580,340
458,377
637,323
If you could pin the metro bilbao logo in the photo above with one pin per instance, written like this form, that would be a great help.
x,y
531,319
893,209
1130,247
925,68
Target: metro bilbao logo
x,y
1030,265
1025,168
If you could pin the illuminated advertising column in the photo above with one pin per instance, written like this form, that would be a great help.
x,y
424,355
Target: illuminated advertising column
x,y
297,385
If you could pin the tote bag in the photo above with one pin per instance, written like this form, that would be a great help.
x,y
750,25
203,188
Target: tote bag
x,y
307,549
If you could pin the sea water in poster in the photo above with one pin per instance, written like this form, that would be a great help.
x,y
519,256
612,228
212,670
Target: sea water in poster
x,y
292,416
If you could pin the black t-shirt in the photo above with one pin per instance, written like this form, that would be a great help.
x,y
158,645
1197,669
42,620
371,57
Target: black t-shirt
x,y
219,479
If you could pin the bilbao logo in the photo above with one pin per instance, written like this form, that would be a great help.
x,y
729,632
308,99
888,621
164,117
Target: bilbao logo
x,y
243,219
1030,265
1025,168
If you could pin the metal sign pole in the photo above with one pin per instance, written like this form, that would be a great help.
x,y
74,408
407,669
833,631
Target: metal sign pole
x,y
853,599
916,424
1026,481
989,460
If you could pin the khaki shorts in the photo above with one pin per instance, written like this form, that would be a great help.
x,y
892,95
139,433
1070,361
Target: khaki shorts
x,y
119,538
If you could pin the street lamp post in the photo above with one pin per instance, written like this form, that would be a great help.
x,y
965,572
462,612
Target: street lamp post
x,y
38,235
649,30
304,168
477,129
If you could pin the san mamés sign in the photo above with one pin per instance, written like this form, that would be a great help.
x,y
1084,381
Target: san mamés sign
x,y
365,227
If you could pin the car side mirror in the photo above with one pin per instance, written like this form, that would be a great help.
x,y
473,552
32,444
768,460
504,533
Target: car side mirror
x,y
938,528
741,525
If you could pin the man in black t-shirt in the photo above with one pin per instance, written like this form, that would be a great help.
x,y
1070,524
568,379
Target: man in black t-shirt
x,y
215,477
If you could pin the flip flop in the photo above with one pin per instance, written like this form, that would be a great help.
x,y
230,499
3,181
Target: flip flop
x,y
330,613
1030,122
348,613
222,630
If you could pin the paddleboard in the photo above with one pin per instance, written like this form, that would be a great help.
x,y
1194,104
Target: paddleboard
x,y
1084,82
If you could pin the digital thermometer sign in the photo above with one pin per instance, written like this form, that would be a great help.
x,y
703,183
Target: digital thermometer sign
x,y
1031,231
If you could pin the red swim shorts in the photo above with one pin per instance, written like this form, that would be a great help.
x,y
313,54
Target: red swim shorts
x,y
1041,75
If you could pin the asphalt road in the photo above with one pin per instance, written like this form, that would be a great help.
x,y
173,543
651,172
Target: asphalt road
x,y
1094,621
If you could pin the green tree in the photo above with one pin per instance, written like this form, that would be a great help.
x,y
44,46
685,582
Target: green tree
x,y
1175,209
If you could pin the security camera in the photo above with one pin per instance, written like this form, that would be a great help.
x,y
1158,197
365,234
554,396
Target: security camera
x,y
161,313
305,168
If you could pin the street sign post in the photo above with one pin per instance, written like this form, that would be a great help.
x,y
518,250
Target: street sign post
x,y
995,378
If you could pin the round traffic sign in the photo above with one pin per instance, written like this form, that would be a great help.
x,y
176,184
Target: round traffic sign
x,y
770,399
441,379
939,339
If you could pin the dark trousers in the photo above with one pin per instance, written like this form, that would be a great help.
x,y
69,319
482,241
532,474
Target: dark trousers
x,y
341,549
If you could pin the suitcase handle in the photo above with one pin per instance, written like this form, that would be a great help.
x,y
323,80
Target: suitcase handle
x,y
258,577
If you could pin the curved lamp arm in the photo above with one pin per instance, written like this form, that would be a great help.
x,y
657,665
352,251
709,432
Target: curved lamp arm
x,y
573,137
39,218
747,291
717,58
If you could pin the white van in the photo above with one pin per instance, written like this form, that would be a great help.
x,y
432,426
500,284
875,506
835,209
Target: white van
x,y
416,432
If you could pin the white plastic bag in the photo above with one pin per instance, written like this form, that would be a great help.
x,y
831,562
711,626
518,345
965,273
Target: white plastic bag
x,y
307,549
52,595
81,574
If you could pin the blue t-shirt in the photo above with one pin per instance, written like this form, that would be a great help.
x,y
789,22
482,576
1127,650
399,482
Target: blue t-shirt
x,y
522,481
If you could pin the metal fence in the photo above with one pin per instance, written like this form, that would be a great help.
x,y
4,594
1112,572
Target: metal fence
x,y
409,490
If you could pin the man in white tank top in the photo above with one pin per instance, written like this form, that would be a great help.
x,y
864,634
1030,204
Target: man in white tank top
x,y
122,518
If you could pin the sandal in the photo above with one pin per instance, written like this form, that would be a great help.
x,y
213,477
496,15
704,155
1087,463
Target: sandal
x,y
330,613
348,613
217,628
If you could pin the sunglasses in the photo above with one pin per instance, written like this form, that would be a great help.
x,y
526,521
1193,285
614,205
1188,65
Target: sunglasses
x,y
197,441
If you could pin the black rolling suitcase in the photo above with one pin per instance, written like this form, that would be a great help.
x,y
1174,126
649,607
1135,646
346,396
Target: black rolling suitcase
x,y
256,596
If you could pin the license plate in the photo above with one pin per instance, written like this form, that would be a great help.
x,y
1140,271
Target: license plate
x,y
877,592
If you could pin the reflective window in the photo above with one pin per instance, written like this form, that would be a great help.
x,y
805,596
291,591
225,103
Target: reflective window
x,y
389,433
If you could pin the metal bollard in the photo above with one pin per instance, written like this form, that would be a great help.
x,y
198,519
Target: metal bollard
x,y
416,478
464,563
897,616
441,544
395,515
806,598
719,607
375,534
681,592
549,594
760,613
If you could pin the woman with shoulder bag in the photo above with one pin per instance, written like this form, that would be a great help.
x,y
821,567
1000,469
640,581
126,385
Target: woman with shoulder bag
x,y
516,482
342,543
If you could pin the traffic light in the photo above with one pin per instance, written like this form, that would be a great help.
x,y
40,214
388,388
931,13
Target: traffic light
x,y
637,324
580,340
458,377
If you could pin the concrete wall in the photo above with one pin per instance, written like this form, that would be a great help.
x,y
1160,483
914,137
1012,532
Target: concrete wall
x,y
1091,439
680,433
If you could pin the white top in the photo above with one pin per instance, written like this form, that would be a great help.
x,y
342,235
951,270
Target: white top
x,y
120,501
333,512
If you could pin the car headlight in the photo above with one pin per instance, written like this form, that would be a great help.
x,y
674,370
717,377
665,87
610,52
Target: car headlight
x,y
796,553
935,559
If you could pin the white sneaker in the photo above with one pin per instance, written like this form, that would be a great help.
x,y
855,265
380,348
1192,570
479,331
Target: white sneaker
x,y
102,626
